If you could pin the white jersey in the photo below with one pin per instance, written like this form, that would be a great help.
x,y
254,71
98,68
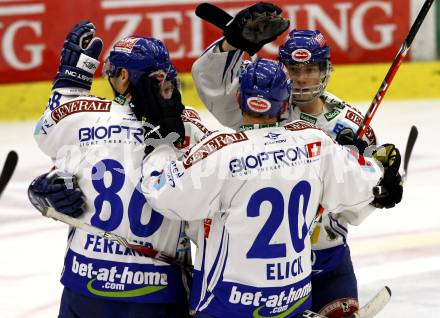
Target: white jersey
x,y
101,142
261,188
216,78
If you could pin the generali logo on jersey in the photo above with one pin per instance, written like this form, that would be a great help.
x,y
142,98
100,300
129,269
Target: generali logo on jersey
x,y
212,145
80,105
299,125
191,113
196,123
357,119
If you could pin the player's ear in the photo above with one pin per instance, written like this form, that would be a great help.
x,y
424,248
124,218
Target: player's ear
x,y
124,76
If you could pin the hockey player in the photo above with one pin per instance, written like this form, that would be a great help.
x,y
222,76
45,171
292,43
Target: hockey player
x,y
101,142
307,58
265,186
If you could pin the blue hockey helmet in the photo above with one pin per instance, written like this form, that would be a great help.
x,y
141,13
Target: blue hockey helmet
x,y
139,55
304,47
264,88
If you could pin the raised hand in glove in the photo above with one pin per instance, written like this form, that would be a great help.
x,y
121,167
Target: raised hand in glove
x,y
347,137
389,191
255,26
57,190
79,57
162,116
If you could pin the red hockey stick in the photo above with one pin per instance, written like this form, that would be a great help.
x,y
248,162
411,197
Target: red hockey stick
x,y
393,68
384,86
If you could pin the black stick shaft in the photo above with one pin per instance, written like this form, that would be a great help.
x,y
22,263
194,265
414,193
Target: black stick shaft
x,y
8,169
409,148
213,14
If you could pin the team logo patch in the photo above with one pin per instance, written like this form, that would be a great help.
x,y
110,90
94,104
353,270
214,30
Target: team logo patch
x,y
340,307
78,106
332,114
196,123
191,113
212,145
320,39
87,63
301,55
272,136
299,125
357,119
125,45
314,149
353,117
308,118
258,104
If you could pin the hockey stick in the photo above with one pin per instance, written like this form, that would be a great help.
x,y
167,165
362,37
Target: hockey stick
x,y
393,68
409,147
403,51
144,250
8,170
214,15
375,305
412,138
369,310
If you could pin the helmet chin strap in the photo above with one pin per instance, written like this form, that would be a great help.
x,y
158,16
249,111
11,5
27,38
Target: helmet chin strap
x,y
116,93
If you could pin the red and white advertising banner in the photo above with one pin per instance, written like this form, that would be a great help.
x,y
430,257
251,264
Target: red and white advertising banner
x,y
32,31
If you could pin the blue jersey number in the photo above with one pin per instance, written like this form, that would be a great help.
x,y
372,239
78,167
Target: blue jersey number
x,y
262,248
108,192
54,101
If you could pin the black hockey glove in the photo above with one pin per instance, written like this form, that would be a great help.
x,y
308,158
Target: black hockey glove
x,y
346,137
79,57
57,190
389,191
255,26
162,118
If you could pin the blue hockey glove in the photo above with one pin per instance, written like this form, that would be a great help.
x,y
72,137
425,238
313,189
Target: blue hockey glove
x,y
57,190
79,57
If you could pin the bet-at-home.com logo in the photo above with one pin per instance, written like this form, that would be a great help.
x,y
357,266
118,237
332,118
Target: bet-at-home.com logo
x,y
111,282
279,306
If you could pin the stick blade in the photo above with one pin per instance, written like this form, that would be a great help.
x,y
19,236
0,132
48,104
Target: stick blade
x,y
409,147
375,305
8,169
213,14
